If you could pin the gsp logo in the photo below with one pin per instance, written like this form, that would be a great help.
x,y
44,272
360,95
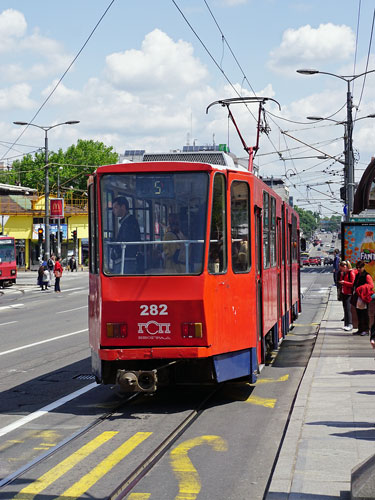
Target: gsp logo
x,y
153,327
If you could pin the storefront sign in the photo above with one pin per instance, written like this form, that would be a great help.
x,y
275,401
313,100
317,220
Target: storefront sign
x,y
57,208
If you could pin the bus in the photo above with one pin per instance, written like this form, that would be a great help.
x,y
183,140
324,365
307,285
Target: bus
x,y
8,266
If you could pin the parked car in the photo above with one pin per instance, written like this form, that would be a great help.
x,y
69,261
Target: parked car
x,y
305,262
314,261
328,261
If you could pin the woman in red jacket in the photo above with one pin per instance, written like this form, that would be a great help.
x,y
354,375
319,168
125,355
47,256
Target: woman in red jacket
x,y
58,270
363,289
346,278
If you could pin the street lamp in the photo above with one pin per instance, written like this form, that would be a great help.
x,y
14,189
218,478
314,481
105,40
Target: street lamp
x,y
349,196
349,157
58,220
46,183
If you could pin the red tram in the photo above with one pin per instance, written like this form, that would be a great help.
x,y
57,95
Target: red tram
x,y
8,266
204,280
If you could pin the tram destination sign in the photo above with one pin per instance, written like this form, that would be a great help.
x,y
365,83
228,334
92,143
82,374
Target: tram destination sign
x,y
151,186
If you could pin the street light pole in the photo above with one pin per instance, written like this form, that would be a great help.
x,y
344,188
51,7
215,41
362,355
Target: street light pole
x,y
349,157
58,220
46,179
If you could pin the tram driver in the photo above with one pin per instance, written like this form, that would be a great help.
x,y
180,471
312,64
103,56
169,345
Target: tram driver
x,y
128,231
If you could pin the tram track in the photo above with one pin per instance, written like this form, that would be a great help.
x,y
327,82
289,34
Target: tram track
x,y
68,440
157,454
133,475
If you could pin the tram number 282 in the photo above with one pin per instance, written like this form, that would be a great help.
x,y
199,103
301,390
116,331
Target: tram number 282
x,y
154,310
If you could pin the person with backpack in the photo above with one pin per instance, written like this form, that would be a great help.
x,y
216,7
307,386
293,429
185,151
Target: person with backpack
x,y
50,266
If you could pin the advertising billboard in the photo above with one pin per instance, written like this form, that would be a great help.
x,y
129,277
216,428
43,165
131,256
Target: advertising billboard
x,y
358,243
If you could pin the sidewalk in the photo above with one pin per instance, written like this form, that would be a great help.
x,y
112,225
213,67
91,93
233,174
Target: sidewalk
x,y
332,425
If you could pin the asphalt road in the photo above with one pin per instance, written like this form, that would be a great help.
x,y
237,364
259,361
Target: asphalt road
x,y
227,452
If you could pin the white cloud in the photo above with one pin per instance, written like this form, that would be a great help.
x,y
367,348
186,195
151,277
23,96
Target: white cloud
x,y
161,63
18,48
311,46
17,96
12,25
62,94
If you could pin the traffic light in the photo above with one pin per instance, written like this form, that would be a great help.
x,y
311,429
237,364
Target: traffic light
x,y
61,236
74,235
40,235
52,238
343,193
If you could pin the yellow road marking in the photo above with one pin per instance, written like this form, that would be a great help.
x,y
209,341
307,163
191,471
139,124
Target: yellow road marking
x,y
139,496
256,400
188,477
49,477
88,480
284,378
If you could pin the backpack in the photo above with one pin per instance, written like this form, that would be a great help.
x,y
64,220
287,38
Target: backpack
x,y
50,264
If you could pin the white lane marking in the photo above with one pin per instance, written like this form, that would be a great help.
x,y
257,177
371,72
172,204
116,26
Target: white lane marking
x,y
71,289
8,323
69,310
42,342
39,413
14,306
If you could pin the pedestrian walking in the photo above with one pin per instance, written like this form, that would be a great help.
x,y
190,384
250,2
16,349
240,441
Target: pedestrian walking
x,y
363,288
50,266
58,270
45,278
345,279
336,265
40,276
73,263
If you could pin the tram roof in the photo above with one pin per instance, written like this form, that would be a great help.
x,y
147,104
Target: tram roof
x,y
216,159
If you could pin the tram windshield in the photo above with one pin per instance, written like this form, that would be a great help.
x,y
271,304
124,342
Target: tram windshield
x,y
7,251
153,223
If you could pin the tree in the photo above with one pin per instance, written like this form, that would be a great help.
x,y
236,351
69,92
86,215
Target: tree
x,y
309,221
78,161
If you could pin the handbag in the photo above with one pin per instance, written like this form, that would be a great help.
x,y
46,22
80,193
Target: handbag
x,y
353,299
361,304
58,274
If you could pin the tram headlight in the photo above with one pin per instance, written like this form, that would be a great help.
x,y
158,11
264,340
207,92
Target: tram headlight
x,y
192,330
12,272
117,330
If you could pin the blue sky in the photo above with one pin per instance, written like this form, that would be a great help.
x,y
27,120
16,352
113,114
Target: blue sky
x,y
144,80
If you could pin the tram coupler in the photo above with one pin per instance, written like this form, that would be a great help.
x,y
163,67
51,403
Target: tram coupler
x,y
137,380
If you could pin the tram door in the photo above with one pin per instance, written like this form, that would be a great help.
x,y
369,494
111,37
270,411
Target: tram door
x,y
258,279
279,267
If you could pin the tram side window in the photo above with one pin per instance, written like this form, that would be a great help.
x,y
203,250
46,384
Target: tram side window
x,y
273,232
240,227
294,239
266,231
217,256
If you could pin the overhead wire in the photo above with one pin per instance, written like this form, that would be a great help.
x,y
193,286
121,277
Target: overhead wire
x,y
61,78
367,63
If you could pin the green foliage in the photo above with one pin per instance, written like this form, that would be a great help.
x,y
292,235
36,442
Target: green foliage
x,y
77,162
309,221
